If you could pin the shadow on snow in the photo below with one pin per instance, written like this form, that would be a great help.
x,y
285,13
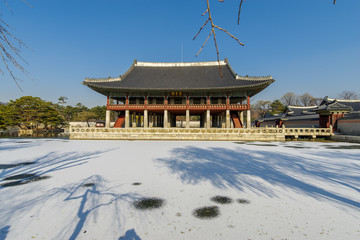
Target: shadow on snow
x,y
47,164
130,235
91,199
3,232
237,168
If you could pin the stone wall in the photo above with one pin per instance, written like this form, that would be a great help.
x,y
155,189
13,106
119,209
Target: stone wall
x,y
349,126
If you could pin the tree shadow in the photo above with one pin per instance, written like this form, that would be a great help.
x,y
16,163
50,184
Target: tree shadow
x,y
3,232
48,163
81,202
130,235
17,144
240,168
92,197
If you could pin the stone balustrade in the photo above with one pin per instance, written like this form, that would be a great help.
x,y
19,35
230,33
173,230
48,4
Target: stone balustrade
x,y
212,134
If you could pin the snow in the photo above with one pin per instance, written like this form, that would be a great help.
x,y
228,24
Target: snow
x,y
297,190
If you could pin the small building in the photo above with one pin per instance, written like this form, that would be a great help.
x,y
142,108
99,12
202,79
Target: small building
x,y
341,114
150,95
293,116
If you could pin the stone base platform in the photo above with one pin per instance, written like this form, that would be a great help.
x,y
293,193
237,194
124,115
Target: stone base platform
x,y
197,134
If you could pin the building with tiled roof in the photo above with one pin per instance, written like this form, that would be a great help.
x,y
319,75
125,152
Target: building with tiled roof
x,y
155,94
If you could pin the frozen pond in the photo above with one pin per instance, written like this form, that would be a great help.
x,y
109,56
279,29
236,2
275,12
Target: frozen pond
x,y
68,189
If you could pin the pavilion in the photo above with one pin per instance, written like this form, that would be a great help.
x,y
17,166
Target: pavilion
x,y
150,95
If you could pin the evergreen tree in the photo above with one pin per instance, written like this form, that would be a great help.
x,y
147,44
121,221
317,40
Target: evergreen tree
x,y
277,107
34,113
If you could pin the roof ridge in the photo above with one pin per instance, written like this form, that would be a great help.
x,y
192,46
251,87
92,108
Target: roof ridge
x,y
314,106
109,79
178,64
254,78
344,100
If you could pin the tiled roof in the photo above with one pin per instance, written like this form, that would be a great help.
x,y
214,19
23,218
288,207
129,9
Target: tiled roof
x,y
334,106
179,76
354,104
299,110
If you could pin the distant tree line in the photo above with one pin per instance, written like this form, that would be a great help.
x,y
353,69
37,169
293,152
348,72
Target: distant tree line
x,y
34,113
262,108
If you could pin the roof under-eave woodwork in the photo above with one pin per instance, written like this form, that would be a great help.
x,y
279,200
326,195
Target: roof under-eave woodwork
x,y
142,76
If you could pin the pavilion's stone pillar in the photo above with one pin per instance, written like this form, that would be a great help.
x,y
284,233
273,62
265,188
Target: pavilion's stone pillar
x,y
227,118
208,122
223,120
133,120
139,120
107,119
166,118
242,118
187,118
127,120
146,124
248,119
151,120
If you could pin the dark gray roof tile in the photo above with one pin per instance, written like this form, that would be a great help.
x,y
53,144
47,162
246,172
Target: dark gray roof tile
x,y
181,76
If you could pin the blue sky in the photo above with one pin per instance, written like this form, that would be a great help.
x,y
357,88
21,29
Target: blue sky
x,y
306,45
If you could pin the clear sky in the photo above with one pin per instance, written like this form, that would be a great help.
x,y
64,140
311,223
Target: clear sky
x,y
306,45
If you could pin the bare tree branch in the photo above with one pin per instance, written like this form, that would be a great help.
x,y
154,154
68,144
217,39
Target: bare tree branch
x,y
229,35
213,27
240,5
10,50
201,28
203,44
241,2
212,32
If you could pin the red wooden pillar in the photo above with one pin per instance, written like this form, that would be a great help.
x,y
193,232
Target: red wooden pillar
x,y
248,102
107,101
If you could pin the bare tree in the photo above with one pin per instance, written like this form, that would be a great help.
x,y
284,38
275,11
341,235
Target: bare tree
x,y
212,32
261,108
10,51
348,95
305,99
289,99
316,101
213,27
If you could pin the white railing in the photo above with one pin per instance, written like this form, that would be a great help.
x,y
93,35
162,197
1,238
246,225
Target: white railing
x,y
260,131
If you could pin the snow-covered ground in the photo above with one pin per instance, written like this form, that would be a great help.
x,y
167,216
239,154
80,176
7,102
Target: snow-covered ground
x,y
297,190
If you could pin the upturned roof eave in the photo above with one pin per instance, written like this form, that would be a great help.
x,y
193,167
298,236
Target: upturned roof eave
x,y
252,86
